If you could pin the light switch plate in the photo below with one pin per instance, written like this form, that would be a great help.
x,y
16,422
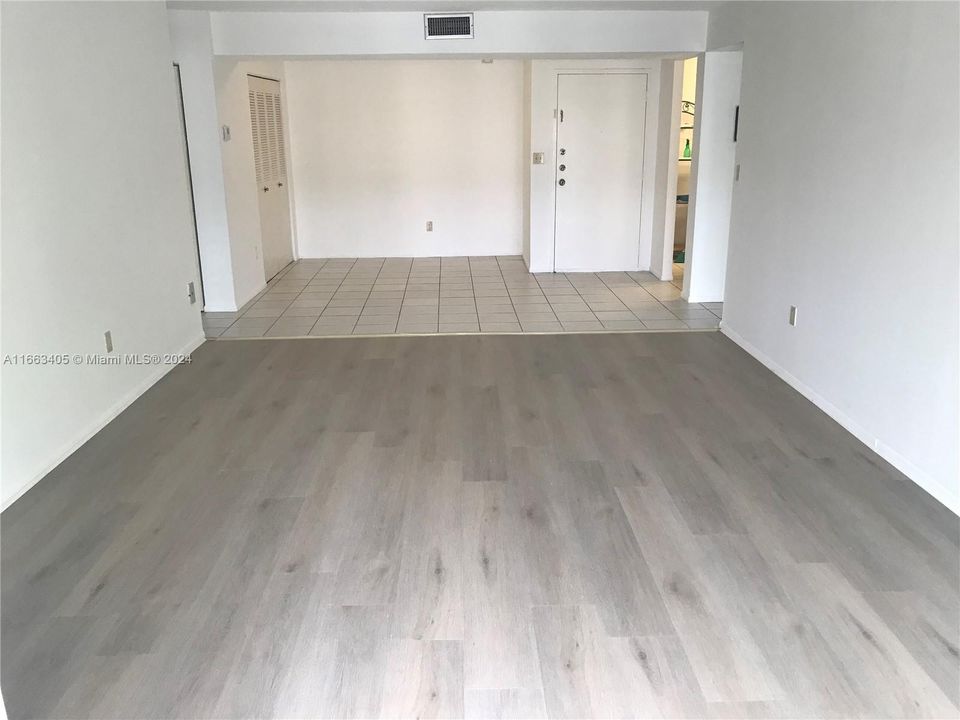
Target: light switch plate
x,y
793,315
108,341
538,158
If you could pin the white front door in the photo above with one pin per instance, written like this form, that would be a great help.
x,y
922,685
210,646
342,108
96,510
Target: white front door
x,y
270,162
599,173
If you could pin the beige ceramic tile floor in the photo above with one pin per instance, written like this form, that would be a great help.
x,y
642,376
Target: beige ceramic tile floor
x,y
377,296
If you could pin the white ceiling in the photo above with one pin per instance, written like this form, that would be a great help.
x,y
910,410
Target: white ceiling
x,y
435,5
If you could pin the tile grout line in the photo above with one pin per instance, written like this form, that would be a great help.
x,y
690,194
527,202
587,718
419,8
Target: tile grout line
x,y
364,305
590,309
596,281
659,302
259,296
545,297
473,292
509,295
550,302
403,297
505,286
339,285
439,285
629,309
546,300
294,299
319,270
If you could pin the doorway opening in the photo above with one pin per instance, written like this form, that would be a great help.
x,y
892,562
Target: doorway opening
x,y
185,145
706,129
687,118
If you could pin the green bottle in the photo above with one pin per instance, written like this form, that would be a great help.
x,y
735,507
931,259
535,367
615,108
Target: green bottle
x,y
686,149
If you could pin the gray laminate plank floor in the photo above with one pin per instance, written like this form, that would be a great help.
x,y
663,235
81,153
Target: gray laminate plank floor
x,y
634,525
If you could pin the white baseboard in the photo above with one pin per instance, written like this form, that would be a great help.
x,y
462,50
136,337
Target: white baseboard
x,y
457,253
101,422
943,495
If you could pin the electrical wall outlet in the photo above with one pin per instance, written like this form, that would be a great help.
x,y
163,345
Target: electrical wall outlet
x,y
793,315
191,292
108,341
429,225
538,158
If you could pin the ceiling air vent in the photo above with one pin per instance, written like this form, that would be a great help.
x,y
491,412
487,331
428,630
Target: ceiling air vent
x,y
444,26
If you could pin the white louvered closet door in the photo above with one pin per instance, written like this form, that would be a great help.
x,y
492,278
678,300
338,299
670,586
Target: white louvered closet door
x,y
270,166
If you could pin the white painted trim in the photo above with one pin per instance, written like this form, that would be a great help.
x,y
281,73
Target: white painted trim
x,y
711,176
543,138
220,308
101,422
905,466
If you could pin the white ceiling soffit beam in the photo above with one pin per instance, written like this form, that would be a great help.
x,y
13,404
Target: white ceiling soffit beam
x,y
543,33
439,5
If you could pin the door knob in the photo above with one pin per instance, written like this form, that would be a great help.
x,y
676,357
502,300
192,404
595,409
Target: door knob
x,y
562,182
562,168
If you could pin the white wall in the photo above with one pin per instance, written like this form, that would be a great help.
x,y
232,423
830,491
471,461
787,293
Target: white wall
x,y
96,221
378,147
193,51
224,184
543,131
496,32
847,206
380,34
714,159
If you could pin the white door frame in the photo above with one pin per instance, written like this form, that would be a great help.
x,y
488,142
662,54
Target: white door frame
x,y
671,93
543,135
712,175
193,202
